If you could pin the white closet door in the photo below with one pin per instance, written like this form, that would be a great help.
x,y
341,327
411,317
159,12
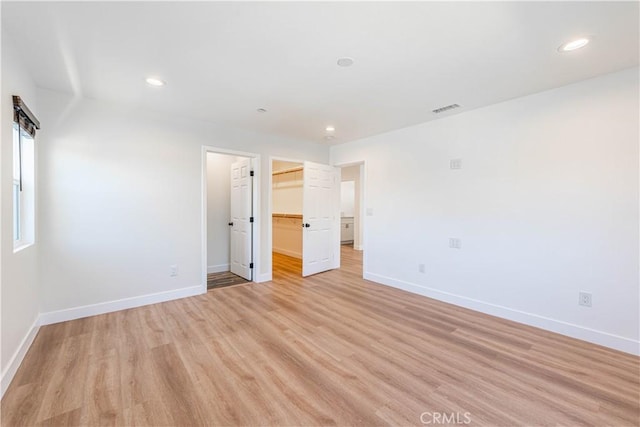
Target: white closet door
x,y
240,225
320,218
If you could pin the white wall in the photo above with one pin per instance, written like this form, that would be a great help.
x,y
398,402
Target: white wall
x,y
121,198
287,193
19,297
287,236
546,205
347,198
218,210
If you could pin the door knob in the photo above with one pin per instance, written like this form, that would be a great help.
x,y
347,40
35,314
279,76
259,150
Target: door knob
x,y
306,225
230,224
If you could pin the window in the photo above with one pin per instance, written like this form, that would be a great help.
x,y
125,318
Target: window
x,y
23,181
16,187
16,210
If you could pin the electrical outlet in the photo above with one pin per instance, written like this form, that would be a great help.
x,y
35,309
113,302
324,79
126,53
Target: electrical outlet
x,y
584,298
421,268
369,211
173,270
455,243
455,164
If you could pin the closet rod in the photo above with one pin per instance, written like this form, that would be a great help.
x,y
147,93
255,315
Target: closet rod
x,y
296,169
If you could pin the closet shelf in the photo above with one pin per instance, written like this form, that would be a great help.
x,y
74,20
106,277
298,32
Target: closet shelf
x,y
285,215
291,170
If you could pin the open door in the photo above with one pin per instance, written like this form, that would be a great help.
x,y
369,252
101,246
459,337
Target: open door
x,y
320,218
241,224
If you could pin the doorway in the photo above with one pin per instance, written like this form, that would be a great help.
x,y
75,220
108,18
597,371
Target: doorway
x,y
305,223
347,214
230,235
286,217
352,206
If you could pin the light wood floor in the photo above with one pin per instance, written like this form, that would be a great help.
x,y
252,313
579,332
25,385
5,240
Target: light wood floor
x,y
332,349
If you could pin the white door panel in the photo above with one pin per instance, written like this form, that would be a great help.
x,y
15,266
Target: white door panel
x,y
241,212
321,218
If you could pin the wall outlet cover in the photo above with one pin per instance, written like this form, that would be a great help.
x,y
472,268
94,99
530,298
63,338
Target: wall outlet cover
x,y
455,243
584,299
455,164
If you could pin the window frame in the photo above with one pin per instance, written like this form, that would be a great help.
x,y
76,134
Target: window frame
x,y
17,212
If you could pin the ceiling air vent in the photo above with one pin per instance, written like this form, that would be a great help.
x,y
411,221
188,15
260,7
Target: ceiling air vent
x,y
446,108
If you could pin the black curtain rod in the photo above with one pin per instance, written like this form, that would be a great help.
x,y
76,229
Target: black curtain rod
x,y
21,108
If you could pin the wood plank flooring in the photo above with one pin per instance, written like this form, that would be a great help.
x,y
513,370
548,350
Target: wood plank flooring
x,y
223,279
331,349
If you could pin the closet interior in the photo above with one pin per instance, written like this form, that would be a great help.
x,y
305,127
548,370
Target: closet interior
x,y
287,180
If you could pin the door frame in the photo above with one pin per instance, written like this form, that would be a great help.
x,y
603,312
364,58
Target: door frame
x,y
255,201
363,199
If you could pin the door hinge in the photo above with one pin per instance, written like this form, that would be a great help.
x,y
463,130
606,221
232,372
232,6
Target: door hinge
x,y
251,173
251,265
251,219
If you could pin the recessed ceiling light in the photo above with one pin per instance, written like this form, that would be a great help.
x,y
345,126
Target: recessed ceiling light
x,y
345,62
154,81
330,129
261,110
574,44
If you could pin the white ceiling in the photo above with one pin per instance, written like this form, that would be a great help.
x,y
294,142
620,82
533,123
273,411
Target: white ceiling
x,y
223,60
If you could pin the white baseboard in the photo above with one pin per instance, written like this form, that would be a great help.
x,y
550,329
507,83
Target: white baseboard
x,y
288,252
117,305
86,311
18,356
265,277
575,331
217,268
357,248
